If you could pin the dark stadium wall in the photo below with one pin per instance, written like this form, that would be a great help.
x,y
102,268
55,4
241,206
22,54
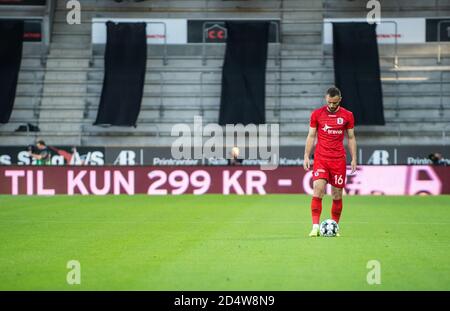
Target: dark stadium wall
x,y
11,42
244,73
357,71
125,66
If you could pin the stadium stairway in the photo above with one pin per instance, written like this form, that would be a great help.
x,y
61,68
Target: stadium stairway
x,y
299,70
28,98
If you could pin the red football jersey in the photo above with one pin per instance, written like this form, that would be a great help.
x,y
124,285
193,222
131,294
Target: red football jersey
x,y
331,127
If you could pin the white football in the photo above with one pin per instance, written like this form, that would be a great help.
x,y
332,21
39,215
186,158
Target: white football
x,y
329,228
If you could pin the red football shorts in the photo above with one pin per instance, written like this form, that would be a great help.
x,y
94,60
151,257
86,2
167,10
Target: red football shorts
x,y
334,171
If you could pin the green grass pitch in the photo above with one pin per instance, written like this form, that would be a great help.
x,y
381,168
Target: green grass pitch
x,y
216,242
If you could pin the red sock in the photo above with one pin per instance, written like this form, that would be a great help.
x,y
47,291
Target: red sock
x,y
316,209
336,210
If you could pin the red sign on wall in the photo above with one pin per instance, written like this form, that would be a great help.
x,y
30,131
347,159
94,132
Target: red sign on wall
x,y
216,33
151,180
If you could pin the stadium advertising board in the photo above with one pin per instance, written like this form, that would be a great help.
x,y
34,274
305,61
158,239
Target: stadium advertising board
x,y
161,156
244,180
159,31
409,30
16,155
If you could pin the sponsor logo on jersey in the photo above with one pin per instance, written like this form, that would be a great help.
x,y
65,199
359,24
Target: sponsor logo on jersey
x,y
325,128
335,132
329,130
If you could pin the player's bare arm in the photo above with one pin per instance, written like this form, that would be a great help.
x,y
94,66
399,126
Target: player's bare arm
x,y
352,147
308,147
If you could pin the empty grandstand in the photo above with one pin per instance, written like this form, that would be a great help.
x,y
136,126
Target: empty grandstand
x,y
61,76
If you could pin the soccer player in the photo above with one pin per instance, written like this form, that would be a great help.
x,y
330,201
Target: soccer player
x,y
329,123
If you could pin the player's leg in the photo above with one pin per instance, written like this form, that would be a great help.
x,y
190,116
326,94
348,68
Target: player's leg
x,y
337,180
320,179
319,187
336,208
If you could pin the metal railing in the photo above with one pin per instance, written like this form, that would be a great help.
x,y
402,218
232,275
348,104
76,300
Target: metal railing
x,y
397,90
212,22
395,56
88,104
444,135
35,101
278,79
165,53
278,106
202,88
161,92
35,108
441,89
439,53
277,82
48,21
89,128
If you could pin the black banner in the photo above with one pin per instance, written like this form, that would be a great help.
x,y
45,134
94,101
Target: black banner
x,y
244,74
357,71
433,25
11,42
23,2
125,66
216,30
221,300
32,29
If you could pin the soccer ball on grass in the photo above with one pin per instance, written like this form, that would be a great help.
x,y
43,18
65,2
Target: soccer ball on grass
x,y
329,228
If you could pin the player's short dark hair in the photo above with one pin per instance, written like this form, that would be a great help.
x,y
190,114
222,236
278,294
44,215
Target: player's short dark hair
x,y
333,92
40,142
